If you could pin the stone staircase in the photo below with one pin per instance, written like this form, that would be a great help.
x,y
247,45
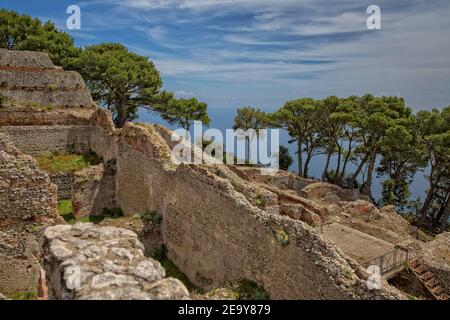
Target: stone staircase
x,y
431,281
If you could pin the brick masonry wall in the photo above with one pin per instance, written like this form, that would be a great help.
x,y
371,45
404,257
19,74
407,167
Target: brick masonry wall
x,y
64,182
74,98
26,193
29,59
36,139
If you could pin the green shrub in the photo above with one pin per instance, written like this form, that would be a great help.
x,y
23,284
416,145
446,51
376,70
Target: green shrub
x,y
249,290
28,295
282,237
152,216
31,104
65,210
52,87
112,212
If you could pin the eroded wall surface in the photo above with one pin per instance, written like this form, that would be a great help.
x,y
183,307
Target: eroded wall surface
x,y
27,200
218,228
26,193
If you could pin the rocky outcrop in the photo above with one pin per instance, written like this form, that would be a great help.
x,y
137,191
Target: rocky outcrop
x,y
87,262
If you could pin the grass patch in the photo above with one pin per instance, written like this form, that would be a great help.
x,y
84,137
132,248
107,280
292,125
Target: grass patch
x,y
28,295
172,270
65,210
248,290
65,162
107,213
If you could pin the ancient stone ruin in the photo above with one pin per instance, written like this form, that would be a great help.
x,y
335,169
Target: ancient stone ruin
x,y
295,238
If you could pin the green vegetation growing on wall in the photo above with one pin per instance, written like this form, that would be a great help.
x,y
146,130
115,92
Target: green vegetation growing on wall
x,y
28,295
65,162
172,270
249,290
2,100
282,237
65,210
151,216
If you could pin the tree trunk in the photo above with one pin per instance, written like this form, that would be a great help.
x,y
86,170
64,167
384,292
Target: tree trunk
x,y
306,168
426,205
347,157
338,165
299,158
367,186
327,164
445,217
121,115
358,170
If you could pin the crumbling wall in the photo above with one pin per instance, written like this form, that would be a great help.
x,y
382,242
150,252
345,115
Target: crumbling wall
x,y
87,262
19,264
26,193
215,235
27,200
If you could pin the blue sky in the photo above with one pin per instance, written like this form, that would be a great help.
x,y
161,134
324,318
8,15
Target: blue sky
x,y
233,53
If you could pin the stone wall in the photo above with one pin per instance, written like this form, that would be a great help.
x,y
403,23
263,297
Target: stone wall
x,y
27,59
87,262
26,193
19,264
19,115
27,201
31,78
93,190
217,232
63,182
37,139
19,79
68,99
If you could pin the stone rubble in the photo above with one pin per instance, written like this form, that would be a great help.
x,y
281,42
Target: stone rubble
x,y
88,262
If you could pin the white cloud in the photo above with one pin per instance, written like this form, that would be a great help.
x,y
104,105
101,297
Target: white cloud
x,y
270,47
